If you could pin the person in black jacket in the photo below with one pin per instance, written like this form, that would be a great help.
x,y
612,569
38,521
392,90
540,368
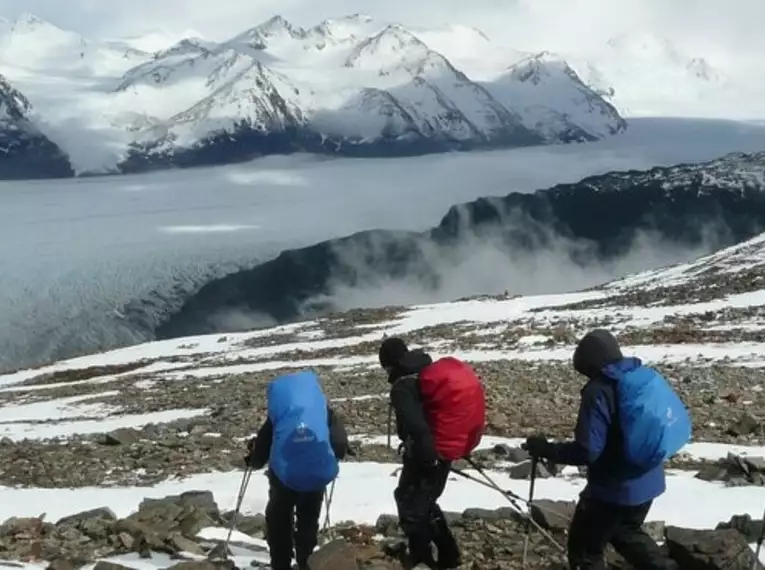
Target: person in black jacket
x,y
423,474
284,503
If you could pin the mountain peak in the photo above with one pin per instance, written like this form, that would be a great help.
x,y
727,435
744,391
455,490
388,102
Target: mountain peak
x,y
391,46
278,24
537,67
28,22
346,27
642,44
29,19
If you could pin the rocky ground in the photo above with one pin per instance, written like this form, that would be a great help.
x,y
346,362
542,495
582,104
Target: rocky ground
x,y
523,398
491,539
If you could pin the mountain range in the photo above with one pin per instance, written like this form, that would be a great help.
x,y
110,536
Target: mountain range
x,y
353,86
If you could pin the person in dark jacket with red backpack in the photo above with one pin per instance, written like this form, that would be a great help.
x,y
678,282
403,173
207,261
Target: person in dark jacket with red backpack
x,y
433,434
624,459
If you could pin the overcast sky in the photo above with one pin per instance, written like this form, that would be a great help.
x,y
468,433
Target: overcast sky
x,y
719,25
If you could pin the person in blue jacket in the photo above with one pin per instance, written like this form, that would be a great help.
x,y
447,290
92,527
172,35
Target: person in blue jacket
x,y
301,440
616,500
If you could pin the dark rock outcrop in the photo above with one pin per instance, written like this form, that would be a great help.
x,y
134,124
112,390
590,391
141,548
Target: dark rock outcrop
x,y
597,219
26,152
724,549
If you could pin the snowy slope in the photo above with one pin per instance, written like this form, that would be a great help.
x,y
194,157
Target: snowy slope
x,y
193,400
36,45
647,74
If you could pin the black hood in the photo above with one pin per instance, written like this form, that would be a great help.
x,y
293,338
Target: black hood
x,y
410,363
596,349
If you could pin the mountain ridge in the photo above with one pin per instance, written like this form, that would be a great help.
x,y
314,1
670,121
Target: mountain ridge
x,y
688,207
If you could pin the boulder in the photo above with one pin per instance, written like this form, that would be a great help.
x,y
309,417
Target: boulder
x,y
387,525
95,523
122,436
511,454
251,525
523,471
746,424
492,515
722,549
744,524
553,515
735,471
335,555
104,565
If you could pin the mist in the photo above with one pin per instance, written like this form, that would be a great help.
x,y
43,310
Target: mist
x,y
485,267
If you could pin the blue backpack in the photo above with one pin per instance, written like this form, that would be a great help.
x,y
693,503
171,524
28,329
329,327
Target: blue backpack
x,y
655,423
301,453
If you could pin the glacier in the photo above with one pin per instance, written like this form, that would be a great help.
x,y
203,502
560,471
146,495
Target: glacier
x,y
84,252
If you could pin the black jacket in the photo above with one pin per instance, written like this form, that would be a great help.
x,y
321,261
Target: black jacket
x,y
260,447
411,424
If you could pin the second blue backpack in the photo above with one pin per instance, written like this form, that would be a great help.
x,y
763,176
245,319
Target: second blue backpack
x,y
301,451
654,421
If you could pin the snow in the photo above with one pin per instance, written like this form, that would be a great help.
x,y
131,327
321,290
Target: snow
x,y
73,415
62,430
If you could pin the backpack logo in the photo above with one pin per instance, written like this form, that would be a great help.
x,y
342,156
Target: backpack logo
x,y
303,434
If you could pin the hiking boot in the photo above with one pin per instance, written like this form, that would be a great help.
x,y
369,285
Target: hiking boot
x,y
449,564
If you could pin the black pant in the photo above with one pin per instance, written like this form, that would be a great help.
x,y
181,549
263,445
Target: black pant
x,y
596,524
284,506
420,517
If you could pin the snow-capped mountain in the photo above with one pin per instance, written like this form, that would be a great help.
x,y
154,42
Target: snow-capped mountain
x,y
537,84
350,86
24,150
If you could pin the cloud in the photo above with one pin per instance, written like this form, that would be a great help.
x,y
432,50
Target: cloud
x,y
525,24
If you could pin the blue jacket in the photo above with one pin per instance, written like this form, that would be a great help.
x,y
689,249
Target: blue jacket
x,y
598,445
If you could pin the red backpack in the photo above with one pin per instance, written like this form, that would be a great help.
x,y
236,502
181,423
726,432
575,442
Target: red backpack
x,y
455,406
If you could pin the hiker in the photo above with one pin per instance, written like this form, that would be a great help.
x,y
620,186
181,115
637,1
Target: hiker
x,y
302,440
440,417
624,459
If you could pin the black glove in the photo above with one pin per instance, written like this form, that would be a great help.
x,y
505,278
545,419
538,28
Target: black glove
x,y
537,446
249,459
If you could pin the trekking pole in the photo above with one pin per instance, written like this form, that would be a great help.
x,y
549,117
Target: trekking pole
x,y
239,500
532,481
760,539
390,418
328,506
512,499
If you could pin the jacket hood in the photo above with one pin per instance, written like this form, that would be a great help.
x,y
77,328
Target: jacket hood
x,y
410,363
595,351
